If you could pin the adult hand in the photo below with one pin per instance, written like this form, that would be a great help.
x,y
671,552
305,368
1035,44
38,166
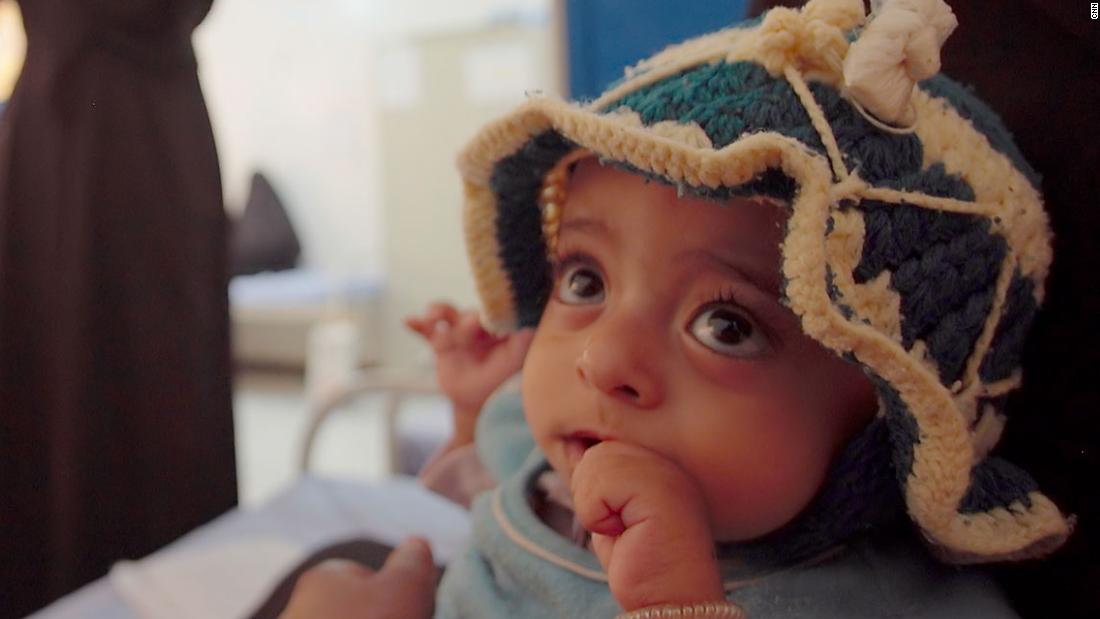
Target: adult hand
x,y
649,526
340,589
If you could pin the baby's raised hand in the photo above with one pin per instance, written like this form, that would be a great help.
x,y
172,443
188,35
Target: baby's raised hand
x,y
470,362
649,526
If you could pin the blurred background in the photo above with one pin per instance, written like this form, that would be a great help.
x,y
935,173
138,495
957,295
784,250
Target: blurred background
x,y
336,125
354,111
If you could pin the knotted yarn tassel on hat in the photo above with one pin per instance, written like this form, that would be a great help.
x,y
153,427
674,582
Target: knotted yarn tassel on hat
x,y
899,46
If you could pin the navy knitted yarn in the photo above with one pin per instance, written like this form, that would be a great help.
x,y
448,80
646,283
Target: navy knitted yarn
x,y
1008,340
945,266
877,156
997,483
517,180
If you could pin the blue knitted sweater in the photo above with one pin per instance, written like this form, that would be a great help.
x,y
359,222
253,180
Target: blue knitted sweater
x,y
518,568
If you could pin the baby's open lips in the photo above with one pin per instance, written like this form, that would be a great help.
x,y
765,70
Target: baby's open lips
x,y
576,443
586,439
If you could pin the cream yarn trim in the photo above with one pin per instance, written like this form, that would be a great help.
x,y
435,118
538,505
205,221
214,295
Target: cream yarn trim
x,y
817,118
493,286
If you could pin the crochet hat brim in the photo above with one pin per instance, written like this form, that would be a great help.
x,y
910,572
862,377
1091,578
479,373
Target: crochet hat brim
x,y
920,257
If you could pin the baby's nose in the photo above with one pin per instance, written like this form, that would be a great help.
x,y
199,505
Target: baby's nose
x,y
621,369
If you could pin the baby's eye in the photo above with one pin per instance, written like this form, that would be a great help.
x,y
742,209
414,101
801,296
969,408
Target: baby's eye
x,y
580,284
725,328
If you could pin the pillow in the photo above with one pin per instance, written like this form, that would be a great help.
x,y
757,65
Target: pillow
x,y
262,238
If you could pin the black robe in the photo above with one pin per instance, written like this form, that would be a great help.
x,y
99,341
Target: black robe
x,y
116,428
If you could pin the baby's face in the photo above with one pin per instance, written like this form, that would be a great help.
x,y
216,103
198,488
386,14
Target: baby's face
x,y
664,330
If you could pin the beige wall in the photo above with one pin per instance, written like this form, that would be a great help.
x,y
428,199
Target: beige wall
x,y
289,89
357,111
468,78
292,89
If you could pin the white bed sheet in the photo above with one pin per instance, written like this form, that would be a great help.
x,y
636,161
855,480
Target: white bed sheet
x,y
223,568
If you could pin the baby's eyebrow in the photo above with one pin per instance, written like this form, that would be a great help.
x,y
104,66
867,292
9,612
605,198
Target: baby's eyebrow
x,y
585,224
731,267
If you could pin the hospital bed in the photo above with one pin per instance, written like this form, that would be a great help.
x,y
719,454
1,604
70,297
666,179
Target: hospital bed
x,y
226,568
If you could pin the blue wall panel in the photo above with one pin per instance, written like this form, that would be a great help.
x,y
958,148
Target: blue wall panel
x,y
606,35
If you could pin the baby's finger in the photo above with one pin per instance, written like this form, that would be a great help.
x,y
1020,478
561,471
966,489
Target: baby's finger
x,y
410,575
468,329
339,569
617,485
435,312
418,326
412,560
440,322
599,502
442,337
649,526
603,545
441,311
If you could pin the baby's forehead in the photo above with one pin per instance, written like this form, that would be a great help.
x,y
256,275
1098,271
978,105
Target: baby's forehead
x,y
630,212
590,175
616,197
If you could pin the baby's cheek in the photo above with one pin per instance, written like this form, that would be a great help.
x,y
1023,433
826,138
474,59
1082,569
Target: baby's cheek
x,y
758,507
758,479
535,394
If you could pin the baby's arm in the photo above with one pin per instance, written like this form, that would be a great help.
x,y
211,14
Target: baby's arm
x,y
470,363
649,527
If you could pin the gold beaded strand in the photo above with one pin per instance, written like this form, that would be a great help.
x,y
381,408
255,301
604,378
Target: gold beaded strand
x,y
704,610
552,197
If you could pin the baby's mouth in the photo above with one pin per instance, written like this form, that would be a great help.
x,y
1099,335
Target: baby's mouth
x,y
579,442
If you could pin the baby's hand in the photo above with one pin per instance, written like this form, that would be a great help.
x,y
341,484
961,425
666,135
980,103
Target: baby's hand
x,y
470,362
649,526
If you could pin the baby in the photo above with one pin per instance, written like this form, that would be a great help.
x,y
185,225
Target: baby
x,y
779,280
665,380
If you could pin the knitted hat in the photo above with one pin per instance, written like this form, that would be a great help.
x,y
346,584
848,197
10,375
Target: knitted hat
x,y
916,244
